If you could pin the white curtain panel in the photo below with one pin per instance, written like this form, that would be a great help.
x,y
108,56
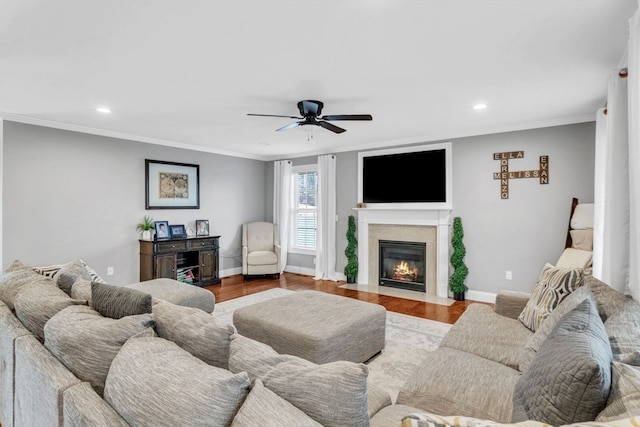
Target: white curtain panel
x,y
282,170
326,238
599,192
615,233
634,153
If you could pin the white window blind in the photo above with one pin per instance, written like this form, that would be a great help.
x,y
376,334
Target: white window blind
x,y
304,210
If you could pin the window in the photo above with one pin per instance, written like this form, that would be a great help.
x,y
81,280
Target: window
x,y
304,210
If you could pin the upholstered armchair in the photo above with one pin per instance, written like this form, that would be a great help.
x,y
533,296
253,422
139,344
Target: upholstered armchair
x,y
260,249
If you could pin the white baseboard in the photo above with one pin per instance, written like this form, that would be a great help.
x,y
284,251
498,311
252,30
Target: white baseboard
x,y
481,296
300,270
230,272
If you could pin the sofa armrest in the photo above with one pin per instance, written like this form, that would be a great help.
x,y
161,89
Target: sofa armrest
x,y
83,407
511,303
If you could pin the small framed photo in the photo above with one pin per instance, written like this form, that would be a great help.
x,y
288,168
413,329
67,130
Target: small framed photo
x,y
177,231
202,227
162,230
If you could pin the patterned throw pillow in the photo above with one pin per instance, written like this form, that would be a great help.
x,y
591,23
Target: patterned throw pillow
x,y
554,285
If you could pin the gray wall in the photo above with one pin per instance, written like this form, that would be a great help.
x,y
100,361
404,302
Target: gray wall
x,y
519,234
69,194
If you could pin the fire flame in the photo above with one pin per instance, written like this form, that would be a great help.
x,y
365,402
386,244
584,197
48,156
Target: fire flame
x,y
402,271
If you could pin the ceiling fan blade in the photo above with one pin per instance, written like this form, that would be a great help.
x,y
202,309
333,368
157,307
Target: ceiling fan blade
x,y
348,117
290,126
273,115
332,128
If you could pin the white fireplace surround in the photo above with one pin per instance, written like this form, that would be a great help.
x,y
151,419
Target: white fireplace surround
x,y
438,218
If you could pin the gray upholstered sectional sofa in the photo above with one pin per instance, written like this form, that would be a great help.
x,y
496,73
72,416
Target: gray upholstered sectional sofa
x,y
64,362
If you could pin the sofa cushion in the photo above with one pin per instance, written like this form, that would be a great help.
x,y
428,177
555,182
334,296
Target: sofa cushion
x,y
554,284
483,332
35,304
624,398
117,301
198,332
569,378
333,394
532,346
15,266
12,281
455,382
608,300
623,329
86,342
265,408
73,270
81,289
153,382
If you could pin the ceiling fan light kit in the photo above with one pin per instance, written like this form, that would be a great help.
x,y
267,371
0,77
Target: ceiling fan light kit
x,y
310,112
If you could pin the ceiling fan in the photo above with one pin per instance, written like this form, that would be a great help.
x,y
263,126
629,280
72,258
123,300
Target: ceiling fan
x,y
310,111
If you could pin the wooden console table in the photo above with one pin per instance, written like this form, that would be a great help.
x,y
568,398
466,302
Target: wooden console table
x,y
193,260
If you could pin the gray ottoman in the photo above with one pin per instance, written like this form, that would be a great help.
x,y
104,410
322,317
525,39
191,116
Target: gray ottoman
x,y
316,326
177,293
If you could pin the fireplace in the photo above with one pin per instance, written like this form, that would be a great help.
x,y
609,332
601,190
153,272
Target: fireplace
x,y
402,264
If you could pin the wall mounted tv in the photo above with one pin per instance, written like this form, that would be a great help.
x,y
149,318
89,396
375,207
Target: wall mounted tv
x,y
409,175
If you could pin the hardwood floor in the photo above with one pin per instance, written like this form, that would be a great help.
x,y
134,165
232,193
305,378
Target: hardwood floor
x,y
235,286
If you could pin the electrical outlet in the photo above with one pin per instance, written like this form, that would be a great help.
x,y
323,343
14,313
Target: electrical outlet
x,y
109,271
508,275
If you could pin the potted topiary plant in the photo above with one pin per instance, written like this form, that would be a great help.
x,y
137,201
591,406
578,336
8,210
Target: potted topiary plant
x,y
460,270
146,226
351,269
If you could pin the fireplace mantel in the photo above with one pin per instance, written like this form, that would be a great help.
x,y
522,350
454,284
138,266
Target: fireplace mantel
x,y
438,218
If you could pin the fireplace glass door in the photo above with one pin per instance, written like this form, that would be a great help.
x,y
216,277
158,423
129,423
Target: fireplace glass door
x,y
402,265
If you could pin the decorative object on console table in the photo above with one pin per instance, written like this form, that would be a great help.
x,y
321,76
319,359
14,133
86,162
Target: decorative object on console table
x,y
146,226
202,227
456,281
170,185
193,260
162,230
351,269
177,231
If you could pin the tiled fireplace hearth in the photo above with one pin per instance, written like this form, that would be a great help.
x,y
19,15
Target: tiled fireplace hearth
x,y
427,226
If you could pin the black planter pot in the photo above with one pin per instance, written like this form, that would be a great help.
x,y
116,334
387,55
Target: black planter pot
x,y
458,296
351,280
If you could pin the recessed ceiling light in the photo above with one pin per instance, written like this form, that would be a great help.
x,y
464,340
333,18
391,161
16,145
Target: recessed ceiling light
x,y
480,106
104,110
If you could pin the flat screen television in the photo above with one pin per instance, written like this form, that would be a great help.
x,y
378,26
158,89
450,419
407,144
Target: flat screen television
x,y
416,177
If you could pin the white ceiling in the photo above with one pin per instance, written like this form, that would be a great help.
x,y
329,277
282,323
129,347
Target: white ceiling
x,y
186,73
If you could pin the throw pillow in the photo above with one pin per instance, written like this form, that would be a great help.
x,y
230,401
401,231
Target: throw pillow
x,y
198,332
582,217
554,285
582,239
86,342
69,272
540,335
117,301
265,408
12,281
574,258
624,398
334,394
35,304
153,382
15,266
569,379
608,300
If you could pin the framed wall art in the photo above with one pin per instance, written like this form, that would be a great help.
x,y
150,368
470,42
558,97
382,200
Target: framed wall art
x,y
170,185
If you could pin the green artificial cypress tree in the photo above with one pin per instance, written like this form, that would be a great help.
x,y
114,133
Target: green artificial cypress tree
x,y
456,281
351,269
